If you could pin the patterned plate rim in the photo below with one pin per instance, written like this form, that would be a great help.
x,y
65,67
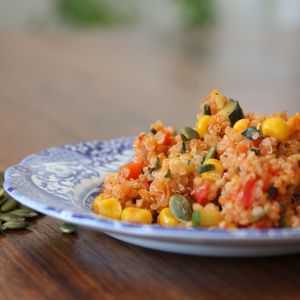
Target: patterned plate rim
x,y
148,231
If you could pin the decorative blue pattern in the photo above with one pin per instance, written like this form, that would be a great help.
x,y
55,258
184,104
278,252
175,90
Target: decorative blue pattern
x,y
61,182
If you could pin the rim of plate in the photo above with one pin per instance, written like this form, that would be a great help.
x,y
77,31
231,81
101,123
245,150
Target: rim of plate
x,y
91,220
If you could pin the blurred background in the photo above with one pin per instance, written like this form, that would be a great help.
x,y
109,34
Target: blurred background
x,y
94,69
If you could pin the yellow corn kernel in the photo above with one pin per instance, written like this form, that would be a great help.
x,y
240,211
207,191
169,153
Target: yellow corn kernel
x,y
294,123
241,125
166,218
136,215
219,101
110,207
202,125
210,215
276,127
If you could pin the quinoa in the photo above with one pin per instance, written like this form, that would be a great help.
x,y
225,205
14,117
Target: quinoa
x,y
258,187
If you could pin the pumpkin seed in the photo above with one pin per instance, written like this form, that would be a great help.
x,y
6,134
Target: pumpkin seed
x,y
2,200
181,208
9,217
14,225
68,228
207,110
24,212
206,168
189,133
2,192
196,217
9,205
212,153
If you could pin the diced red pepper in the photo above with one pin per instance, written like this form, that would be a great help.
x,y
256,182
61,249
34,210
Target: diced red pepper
x,y
131,170
201,194
168,138
247,193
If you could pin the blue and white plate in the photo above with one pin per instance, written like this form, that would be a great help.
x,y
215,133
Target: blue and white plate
x,y
61,182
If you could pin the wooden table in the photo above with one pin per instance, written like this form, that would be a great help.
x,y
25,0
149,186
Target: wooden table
x,y
58,88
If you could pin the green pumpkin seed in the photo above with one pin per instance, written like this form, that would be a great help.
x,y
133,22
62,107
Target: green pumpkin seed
x,y
24,212
206,168
196,218
68,228
9,217
2,192
2,200
189,133
181,208
14,225
9,205
212,153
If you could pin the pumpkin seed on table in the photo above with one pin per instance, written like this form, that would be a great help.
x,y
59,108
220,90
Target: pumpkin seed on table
x,y
24,212
68,228
10,217
9,205
12,214
181,208
15,225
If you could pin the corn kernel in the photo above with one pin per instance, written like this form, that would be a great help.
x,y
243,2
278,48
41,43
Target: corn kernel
x,y
166,218
214,174
241,125
210,215
276,127
136,215
202,125
110,207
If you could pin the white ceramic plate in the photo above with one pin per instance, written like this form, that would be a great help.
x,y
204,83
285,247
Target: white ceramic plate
x,y
61,182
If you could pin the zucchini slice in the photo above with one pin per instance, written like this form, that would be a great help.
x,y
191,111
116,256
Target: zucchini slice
x,y
207,110
232,111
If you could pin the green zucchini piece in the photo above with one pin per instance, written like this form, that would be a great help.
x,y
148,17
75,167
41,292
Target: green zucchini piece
x,y
207,110
252,133
196,218
212,153
232,111
272,192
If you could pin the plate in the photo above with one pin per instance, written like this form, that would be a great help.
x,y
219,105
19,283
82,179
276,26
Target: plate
x,y
61,182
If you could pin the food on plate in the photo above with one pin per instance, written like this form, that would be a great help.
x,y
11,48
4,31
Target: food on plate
x,y
231,170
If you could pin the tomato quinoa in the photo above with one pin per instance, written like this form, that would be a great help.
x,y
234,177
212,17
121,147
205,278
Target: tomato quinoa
x,y
232,170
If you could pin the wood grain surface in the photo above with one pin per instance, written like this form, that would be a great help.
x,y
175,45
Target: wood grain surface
x,y
58,88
